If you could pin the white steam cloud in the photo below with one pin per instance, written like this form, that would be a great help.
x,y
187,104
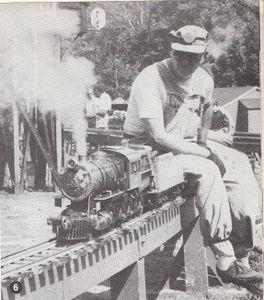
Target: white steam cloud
x,y
29,68
221,40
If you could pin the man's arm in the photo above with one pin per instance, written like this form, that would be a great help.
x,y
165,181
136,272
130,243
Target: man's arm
x,y
205,124
154,127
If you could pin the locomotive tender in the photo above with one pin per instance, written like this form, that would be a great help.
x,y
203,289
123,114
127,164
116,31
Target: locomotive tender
x,y
112,185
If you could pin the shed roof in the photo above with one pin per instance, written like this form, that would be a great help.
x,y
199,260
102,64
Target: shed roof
x,y
251,103
227,94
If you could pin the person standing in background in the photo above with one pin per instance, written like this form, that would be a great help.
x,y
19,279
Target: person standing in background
x,y
104,110
91,109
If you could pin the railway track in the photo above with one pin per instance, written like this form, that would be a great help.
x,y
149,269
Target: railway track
x,y
27,249
29,257
37,259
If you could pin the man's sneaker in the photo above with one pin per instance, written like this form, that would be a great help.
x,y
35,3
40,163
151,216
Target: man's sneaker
x,y
239,274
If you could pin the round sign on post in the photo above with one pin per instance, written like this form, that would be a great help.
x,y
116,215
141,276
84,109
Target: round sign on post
x,y
98,19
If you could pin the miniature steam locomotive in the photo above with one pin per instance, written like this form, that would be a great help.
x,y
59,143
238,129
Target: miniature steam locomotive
x,y
112,185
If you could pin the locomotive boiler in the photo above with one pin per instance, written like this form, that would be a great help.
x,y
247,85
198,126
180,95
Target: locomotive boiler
x,y
112,185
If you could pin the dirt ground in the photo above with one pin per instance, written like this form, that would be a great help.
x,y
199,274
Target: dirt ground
x,y
23,224
24,220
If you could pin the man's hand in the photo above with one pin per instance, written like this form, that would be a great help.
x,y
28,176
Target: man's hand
x,y
220,137
213,157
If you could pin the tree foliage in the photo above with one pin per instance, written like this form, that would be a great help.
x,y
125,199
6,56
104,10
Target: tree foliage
x,y
136,34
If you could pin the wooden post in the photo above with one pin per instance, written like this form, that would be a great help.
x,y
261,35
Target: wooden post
x,y
26,152
53,136
49,145
24,163
129,284
39,142
8,159
84,22
58,129
59,142
196,277
16,148
47,136
3,157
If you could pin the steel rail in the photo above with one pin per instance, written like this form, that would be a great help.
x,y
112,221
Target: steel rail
x,y
26,249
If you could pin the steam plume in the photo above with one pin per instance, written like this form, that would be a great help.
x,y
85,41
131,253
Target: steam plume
x,y
29,70
222,39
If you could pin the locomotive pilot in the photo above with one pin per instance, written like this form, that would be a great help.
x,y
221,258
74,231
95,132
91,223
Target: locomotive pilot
x,y
165,107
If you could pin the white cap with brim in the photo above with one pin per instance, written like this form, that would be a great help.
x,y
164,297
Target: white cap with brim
x,y
190,38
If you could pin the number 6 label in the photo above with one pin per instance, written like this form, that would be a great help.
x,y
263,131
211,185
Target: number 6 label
x,y
16,287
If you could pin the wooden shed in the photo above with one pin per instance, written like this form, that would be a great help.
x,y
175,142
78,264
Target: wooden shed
x,y
244,105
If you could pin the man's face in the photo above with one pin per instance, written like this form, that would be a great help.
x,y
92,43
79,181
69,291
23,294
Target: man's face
x,y
185,63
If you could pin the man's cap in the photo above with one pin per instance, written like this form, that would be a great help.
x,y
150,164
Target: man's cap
x,y
190,38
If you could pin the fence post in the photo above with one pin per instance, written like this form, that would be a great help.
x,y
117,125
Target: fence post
x,y
16,148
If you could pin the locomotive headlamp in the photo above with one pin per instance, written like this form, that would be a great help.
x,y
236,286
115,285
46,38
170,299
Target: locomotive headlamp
x,y
71,164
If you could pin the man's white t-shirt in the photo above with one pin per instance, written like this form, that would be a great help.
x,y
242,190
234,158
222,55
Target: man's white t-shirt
x,y
105,101
149,99
92,107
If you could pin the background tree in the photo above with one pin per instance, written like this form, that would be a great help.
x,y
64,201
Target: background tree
x,y
136,34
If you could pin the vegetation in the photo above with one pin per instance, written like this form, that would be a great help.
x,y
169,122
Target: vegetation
x,y
136,34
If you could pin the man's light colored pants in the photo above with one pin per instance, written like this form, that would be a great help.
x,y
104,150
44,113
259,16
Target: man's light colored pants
x,y
228,206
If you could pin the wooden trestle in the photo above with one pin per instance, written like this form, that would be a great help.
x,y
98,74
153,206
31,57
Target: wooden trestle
x,y
120,258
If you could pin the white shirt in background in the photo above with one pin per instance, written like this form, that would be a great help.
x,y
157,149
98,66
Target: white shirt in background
x,y
105,101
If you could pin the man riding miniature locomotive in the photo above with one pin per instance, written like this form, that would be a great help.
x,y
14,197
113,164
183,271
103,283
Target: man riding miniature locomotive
x,y
169,108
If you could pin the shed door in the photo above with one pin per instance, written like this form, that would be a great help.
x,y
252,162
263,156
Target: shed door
x,y
254,121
